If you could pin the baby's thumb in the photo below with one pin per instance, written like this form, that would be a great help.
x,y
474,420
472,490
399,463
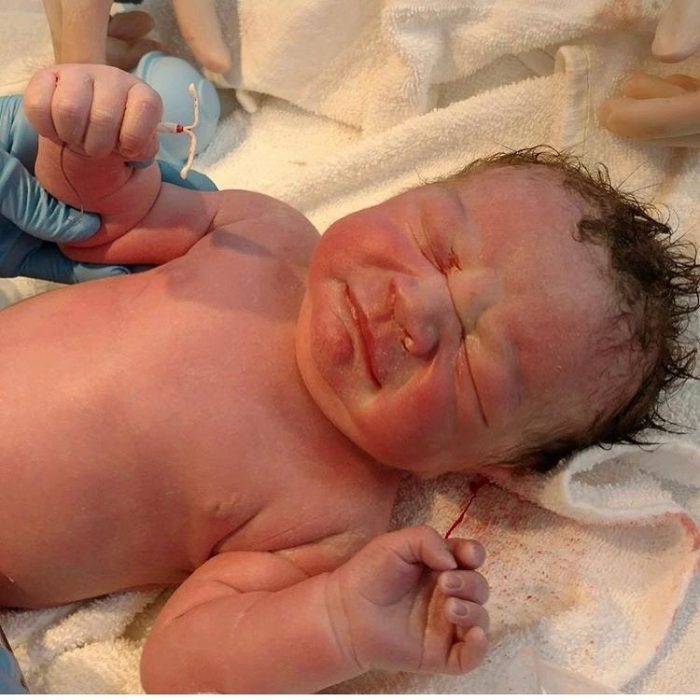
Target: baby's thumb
x,y
678,31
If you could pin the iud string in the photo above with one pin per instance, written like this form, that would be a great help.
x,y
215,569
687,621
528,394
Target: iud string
x,y
474,487
175,128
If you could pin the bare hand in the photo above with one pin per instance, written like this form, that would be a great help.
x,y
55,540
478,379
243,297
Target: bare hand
x,y
665,111
95,110
411,601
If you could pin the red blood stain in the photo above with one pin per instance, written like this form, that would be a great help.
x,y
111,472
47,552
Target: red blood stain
x,y
474,487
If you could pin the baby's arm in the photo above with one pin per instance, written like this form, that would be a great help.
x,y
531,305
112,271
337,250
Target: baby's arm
x,y
256,622
93,121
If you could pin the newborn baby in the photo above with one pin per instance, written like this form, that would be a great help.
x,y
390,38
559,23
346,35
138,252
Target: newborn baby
x,y
237,418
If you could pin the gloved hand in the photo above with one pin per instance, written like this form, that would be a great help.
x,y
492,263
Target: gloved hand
x,y
31,221
665,111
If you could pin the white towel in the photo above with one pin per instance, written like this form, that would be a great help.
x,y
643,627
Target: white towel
x,y
605,548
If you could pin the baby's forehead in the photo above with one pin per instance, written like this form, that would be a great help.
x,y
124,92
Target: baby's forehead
x,y
518,184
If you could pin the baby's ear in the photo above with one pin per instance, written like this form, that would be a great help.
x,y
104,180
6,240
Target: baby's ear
x,y
499,474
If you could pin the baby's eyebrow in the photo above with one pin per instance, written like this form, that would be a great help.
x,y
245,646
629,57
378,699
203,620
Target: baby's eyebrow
x,y
471,234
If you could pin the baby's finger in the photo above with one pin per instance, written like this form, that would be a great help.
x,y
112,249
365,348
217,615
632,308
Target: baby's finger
x,y
143,111
71,105
469,554
106,114
642,86
468,654
465,615
467,585
37,103
652,118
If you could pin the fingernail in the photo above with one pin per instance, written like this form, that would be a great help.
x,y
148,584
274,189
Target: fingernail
x,y
451,582
459,609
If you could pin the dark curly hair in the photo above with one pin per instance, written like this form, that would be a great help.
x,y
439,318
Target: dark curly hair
x,y
657,280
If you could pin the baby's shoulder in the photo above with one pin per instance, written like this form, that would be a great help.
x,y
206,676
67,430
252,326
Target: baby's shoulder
x,y
266,219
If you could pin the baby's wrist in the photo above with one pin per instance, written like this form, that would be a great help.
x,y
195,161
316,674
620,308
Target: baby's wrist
x,y
341,627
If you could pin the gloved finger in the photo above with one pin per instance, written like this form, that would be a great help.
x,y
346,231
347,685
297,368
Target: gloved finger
x,y
33,210
126,54
652,118
688,83
48,263
128,26
143,111
678,31
642,86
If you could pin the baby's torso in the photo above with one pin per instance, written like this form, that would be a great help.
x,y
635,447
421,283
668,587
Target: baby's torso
x,y
153,421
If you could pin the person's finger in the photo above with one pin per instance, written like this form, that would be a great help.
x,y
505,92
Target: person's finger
x,y
468,585
71,105
652,118
465,614
643,86
48,263
200,27
128,26
469,554
33,210
126,54
102,132
692,141
38,96
688,83
678,31
144,109
466,655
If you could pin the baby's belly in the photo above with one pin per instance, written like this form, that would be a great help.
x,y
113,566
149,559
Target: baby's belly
x,y
110,478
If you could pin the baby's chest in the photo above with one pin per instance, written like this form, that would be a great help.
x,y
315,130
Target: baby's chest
x,y
282,510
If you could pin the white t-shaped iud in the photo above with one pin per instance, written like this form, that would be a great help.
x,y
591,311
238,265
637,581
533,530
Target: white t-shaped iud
x,y
175,128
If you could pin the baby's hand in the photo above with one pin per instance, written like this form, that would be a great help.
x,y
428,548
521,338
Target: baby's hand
x,y
95,110
411,601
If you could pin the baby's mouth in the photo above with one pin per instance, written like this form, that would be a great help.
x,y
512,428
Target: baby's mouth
x,y
366,340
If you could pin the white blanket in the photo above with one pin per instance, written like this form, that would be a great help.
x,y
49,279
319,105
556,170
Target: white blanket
x,y
591,566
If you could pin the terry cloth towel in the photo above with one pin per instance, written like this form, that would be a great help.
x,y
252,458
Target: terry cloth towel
x,y
372,63
591,566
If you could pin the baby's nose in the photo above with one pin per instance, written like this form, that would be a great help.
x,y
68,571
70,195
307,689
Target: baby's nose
x,y
420,309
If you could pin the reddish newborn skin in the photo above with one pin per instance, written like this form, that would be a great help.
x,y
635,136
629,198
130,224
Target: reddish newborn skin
x,y
157,425
225,419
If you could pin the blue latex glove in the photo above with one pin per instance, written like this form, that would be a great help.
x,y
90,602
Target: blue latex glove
x,y
31,220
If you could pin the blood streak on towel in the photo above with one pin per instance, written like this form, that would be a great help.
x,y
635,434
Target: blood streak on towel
x,y
474,485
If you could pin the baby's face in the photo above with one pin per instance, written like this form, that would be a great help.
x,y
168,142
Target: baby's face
x,y
445,326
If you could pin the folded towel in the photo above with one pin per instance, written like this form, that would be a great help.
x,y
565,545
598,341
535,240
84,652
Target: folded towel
x,y
375,63
591,566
